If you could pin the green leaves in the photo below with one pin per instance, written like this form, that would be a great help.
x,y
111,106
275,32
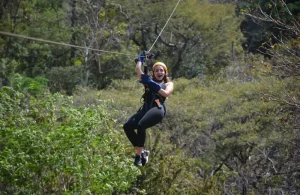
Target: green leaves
x,y
62,148
64,79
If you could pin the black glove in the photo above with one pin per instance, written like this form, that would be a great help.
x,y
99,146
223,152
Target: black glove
x,y
141,57
145,55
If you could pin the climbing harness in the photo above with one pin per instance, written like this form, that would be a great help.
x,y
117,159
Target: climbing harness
x,y
149,98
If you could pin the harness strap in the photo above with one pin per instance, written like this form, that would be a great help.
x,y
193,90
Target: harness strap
x,y
159,101
156,98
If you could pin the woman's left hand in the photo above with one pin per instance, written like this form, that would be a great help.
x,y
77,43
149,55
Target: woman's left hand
x,y
145,79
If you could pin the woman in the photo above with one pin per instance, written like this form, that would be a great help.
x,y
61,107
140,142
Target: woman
x,y
158,88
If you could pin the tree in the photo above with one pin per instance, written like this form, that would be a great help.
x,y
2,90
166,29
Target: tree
x,y
258,30
50,146
40,19
192,42
97,25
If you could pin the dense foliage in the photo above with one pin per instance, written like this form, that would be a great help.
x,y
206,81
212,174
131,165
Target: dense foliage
x,y
107,36
232,124
49,146
268,21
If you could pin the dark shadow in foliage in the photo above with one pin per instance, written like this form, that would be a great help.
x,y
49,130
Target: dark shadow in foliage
x,y
64,79
259,31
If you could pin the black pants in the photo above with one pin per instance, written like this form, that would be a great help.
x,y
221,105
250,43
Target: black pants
x,y
142,120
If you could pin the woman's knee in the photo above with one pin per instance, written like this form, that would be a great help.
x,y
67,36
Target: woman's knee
x,y
126,127
141,127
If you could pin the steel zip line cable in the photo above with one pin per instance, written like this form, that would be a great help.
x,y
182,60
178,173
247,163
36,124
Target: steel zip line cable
x,y
165,25
76,46
58,43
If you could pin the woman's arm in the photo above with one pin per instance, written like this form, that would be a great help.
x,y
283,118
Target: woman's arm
x,y
138,69
166,92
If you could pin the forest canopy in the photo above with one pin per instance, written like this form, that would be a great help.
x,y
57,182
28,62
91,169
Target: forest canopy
x,y
68,84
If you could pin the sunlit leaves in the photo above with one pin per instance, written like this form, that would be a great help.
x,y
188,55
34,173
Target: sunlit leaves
x,y
55,144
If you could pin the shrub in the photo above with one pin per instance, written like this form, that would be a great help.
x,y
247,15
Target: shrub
x,y
64,79
56,148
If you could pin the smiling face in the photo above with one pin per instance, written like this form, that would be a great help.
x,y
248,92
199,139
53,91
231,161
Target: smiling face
x,y
159,73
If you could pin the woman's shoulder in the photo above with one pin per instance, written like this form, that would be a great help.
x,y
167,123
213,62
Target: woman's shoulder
x,y
169,83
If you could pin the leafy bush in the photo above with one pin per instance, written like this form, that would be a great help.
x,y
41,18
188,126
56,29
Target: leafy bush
x,y
33,86
64,79
228,124
56,148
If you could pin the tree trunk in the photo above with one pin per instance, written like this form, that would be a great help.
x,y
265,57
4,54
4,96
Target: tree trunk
x,y
86,69
73,25
233,52
2,7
